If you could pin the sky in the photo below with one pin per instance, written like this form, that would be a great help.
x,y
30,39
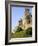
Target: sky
x,y
16,14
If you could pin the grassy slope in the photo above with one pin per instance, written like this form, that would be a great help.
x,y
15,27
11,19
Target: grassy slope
x,y
22,34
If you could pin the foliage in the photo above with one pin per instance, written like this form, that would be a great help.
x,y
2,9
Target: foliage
x,y
28,32
19,29
20,33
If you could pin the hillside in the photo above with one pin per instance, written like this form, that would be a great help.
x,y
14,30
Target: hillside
x,y
20,33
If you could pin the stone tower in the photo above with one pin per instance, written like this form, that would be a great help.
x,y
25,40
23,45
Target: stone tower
x,y
28,17
26,20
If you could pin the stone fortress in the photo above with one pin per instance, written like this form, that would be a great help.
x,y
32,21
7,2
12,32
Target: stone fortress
x,y
26,20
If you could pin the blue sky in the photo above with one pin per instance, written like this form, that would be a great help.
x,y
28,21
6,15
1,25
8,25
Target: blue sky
x,y
17,13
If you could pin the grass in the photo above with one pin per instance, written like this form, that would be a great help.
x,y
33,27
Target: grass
x,y
20,33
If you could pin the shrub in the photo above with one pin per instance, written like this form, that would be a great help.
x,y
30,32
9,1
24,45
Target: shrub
x,y
19,29
29,31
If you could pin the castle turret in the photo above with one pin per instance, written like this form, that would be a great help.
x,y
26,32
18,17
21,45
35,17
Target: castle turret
x,y
28,16
26,20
